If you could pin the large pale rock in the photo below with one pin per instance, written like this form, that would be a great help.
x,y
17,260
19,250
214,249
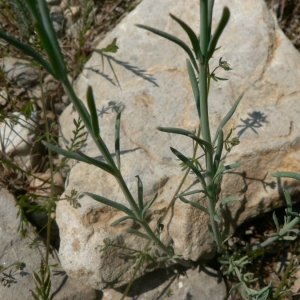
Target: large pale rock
x,y
17,284
155,89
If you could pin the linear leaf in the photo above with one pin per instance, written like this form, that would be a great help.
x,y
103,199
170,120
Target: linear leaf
x,y
190,165
173,39
215,38
192,193
223,168
118,221
82,157
193,37
29,51
140,193
93,111
228,199
138,233
175,130
117,136
148,205
44,28
219,150
111,203
228,116
194,84
195,204
287,174
202,143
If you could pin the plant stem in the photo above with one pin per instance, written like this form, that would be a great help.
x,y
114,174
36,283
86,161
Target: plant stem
x,y
204,121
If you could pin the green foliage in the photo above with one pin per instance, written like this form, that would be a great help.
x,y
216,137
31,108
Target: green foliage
x,y
200,52
43,283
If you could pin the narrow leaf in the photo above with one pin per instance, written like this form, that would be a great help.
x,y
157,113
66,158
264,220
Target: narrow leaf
x,y
117,136
138,233
118,221
173,39
148,205
227,167
215,38
82,157
193,37
219,150
192,193
195,86
276,221
202,143
29,51
228,116
287,174
228,199
175,130
44,28
140,193
190,165
111,203
195,204
93,111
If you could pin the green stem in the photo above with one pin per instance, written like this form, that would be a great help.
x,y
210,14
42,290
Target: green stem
x,y
284,278
49,219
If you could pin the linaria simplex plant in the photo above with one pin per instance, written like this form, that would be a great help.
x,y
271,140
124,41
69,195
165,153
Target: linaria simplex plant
x,y
203,48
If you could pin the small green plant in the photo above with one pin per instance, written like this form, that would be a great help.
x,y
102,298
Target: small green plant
x,y
200,53
43,283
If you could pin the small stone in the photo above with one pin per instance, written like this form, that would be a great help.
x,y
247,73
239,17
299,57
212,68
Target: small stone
x,y
19,71
59,108
65,99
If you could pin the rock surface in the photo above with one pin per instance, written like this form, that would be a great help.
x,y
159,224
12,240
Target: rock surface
x,y
155,89
13,249
17,136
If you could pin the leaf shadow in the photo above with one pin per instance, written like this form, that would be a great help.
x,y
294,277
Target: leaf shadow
x,y
255,120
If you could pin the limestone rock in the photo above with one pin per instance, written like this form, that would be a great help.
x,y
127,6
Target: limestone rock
x,y
13,249
148,75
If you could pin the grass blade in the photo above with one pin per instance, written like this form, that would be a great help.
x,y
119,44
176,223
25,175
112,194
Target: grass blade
x,y
82,157
140,193
227,117
111,203
93,111
215,38
287,175
194,84
173,39
175,130
44,28
117,136
29,51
